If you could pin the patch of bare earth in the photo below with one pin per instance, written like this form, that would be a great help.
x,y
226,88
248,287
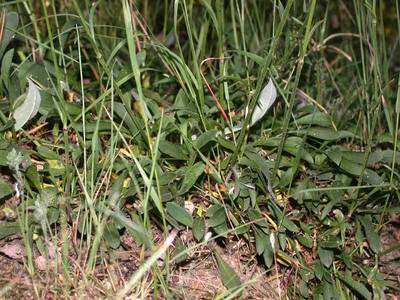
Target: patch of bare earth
x,y
14,281
390,261
196,278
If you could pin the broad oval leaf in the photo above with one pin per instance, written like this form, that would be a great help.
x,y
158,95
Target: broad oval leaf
x,y
371,177
326,256
5,188
8,228
371,234
6,67
261,239
29,108
173,150
205,138
11,24
191,175
265,101
317,118
179,214
111,236
217,215
356,286
328,134
268,257
180,251
199,228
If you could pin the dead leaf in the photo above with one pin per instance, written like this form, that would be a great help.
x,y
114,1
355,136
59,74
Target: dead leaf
x,y
14,249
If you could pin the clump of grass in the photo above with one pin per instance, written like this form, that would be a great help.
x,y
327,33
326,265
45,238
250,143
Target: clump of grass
x,y
134,137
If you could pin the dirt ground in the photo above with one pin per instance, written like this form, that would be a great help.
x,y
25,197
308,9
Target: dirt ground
x,y
196,278
390,262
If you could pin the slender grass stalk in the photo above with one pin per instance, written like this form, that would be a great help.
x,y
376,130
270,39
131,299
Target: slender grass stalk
x,y
302,54
133,281
261,77
397,110
28,7
334,67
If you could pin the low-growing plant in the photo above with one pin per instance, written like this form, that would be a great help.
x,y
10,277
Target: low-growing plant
x,y
273,123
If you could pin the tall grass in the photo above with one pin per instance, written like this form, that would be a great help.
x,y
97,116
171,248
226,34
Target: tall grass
x,y
137,98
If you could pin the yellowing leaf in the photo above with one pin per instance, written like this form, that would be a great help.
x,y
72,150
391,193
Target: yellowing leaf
x,y
127,180
55,164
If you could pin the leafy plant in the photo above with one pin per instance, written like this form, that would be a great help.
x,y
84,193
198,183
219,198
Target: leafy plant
x,y
272,123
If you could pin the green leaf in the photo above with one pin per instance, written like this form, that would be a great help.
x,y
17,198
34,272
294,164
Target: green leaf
x,y
335,154
286,222
371,234
180,251
387,155
5,188
356,286
256,217
93,127
268,257
352,163
292,146
52,215
290,142
318,269
305,240
111,236
371,177
282,240
191,175
7,229
359,157
216,215
327,134
242,229
306,274
179,214
303,288
332,242
7,125
222,229
32,174
329,291
289,225
326,256
351,167
46,153
228,275
173,150
317,118
8,34
6,67
261,241
256,58
135,228
205,138
227,144
259,163
198,229
329,206
74,110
